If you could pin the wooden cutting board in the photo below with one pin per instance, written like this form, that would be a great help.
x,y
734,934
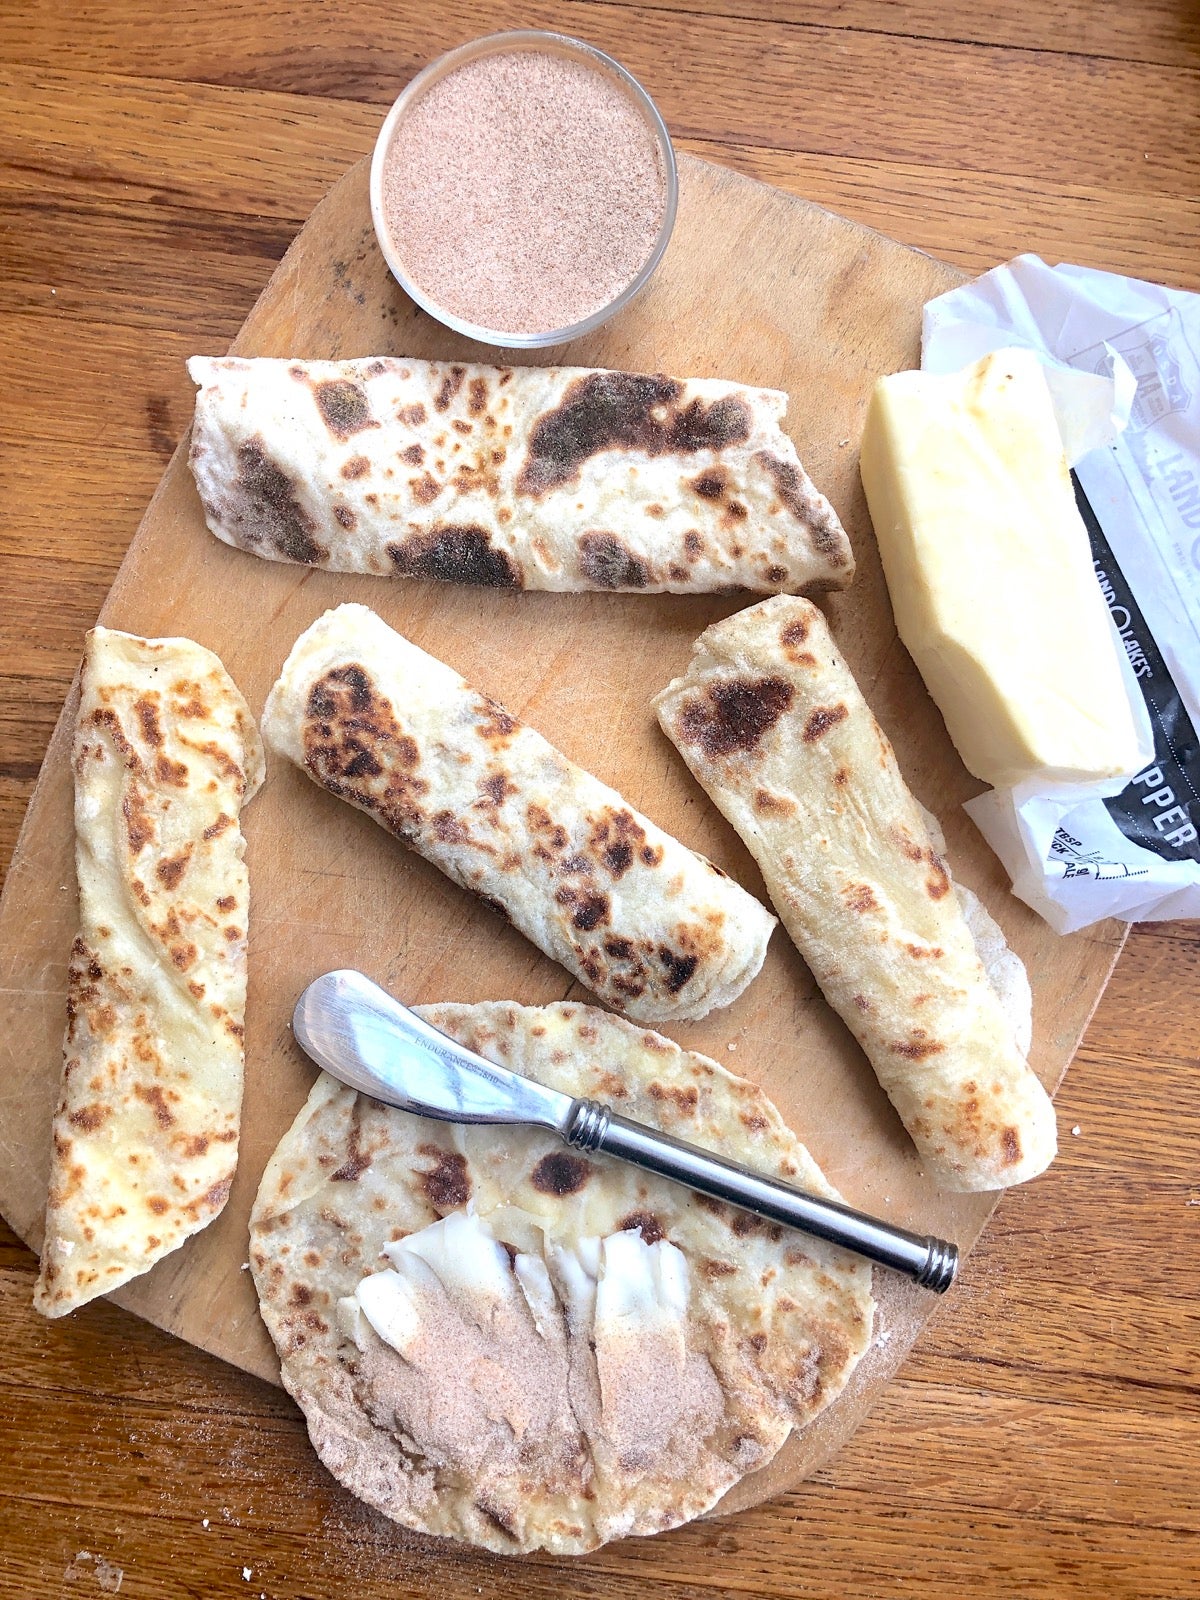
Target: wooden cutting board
x,y
756,286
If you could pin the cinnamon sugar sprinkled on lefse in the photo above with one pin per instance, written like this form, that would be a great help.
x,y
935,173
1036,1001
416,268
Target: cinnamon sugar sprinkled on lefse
x,y
524,191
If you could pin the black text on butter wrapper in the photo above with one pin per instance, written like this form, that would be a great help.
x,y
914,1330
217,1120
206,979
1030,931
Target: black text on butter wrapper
x,y
1159,809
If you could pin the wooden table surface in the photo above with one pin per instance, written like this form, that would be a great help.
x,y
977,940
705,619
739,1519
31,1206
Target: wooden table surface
x,y
1044,1438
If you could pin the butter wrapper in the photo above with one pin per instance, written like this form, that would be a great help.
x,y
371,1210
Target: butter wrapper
x,y
1134,443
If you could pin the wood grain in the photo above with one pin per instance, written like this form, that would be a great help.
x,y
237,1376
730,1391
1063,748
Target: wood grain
x,y
1043,1438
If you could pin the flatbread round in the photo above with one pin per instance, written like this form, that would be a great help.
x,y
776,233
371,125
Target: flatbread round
x,y
645,1349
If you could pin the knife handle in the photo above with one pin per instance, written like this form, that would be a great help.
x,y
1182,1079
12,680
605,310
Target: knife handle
x,y
930,1262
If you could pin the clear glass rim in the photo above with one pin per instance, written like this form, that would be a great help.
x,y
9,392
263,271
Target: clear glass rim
x,y
492,44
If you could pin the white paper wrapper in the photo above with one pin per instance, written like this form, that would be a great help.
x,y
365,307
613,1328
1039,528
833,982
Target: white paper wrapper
x,y
1079,855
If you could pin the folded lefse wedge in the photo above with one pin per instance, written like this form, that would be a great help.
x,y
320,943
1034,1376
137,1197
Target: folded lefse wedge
x,y
558,478
656,930
146,1133
503,1341
772,724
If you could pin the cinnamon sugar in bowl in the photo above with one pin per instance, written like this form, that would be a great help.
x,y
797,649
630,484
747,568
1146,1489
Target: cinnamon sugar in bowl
x,y
523,188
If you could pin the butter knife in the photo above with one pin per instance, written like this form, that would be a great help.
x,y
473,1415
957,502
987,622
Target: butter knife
x,y
372,1043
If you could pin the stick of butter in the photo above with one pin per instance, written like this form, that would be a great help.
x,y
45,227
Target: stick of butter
x,y
990,572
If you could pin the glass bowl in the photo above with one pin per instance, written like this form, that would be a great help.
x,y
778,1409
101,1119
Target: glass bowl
x,y
524,39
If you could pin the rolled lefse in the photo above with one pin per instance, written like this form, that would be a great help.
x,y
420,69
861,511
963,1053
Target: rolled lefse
x,y
560,478
772,724
145,1138
652,928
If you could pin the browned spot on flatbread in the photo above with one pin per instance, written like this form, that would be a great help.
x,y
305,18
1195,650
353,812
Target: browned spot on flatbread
x,y
172,868
344,407
88,1118
411,416
447,1184
173,774
677,966
552,836
937,884
711,484
588,910
495,789
656,1044
213,1198
455,555
345,518
147,715
926,952
139,825
742,1223
685,1100
448,828
448,388
805,506
225,763
734,715
222,821
821,719
356,467
919,1047
605,411
614,836
860,897
560,1173
647,1224
609,564
425,490
265,508
496,726
357,1159
771,804
1011,1140
712,1268
414,456
355,747
477,396
105,717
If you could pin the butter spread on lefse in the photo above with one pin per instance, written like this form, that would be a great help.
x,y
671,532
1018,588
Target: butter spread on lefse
x,y
990,572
